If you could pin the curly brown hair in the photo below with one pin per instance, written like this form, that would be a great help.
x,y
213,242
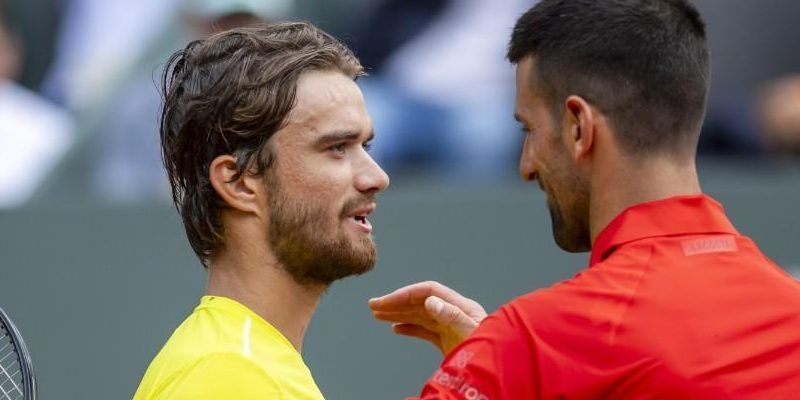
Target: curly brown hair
x,y
228,94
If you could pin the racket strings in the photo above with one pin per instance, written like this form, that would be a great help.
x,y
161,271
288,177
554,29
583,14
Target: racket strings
x,y
10,368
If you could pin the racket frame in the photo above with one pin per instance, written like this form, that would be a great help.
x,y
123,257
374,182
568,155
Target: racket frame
x,y
26,364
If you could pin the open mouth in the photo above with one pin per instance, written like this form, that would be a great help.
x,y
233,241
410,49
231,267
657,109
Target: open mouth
x,y
360,218
363,223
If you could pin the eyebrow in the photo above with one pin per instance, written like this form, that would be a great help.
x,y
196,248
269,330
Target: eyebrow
x,y
340,136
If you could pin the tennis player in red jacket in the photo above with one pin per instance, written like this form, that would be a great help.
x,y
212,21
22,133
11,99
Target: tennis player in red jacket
x,y
675,303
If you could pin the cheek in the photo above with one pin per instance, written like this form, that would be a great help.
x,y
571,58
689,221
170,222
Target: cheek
x,y
529,157
557,170
318,180
316,175
545,158
323,192
572,186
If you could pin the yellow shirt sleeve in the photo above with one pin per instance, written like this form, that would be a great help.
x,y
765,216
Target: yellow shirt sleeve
x,y
222,376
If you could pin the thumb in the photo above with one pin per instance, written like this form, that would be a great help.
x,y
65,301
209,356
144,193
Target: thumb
x,y
449,315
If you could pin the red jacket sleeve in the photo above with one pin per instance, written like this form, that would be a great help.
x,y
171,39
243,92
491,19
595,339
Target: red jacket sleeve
x,y
498,361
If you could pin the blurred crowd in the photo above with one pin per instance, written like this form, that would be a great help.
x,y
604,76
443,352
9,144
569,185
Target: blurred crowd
x,y
79,95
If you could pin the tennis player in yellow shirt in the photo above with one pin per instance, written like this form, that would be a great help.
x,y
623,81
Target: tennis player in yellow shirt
x,y
264,137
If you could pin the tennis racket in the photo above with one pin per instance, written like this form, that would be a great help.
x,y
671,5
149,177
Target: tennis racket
x,y
17,381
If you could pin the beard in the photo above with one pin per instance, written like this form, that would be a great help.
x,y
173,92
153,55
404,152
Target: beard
x,y
311,248
570,216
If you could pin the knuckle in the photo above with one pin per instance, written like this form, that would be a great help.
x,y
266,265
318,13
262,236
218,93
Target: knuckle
x,y
430,283
452,314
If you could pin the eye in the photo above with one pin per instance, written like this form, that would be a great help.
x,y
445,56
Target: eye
x,y
367,146
526,131
339,149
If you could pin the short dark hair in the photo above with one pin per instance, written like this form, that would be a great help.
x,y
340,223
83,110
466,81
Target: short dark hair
x,y
228,94
643,63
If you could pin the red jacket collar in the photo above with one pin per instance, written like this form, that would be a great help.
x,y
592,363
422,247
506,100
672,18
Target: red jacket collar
x,y
679,215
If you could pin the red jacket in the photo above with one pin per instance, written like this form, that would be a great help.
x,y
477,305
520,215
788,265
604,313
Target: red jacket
x,y
675,304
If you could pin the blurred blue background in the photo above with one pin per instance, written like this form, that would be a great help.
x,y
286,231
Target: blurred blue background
x,y
94,265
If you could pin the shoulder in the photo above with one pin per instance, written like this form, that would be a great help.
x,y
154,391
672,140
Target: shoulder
x,y
222,375
526,346
588,306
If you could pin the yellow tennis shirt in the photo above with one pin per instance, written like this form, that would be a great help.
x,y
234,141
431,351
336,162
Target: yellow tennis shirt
x,y
223,350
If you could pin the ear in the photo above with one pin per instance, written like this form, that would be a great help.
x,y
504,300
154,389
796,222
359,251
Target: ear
x,y
244,192
581,120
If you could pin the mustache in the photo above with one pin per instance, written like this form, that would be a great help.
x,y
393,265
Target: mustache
x,y
357,202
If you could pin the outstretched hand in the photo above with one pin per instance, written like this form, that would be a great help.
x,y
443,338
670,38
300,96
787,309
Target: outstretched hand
x,y
429,311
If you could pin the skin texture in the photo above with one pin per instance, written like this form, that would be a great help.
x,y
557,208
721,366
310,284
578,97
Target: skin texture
x,y
324,183
429,311
570,150
290,233
546,159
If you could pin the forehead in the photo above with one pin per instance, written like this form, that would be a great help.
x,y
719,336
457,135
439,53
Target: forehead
x,y
526,90
326,101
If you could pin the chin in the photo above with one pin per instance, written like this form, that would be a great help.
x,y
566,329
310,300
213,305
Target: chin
x,y
571,247
359,260
570,238
573,240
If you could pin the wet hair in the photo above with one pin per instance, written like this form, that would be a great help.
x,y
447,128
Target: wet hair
x,y
228,94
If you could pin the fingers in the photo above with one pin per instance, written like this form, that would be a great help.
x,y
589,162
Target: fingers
x,y
435,320
419,317
403,297
417,331
450,316
435,315
425,298
414,294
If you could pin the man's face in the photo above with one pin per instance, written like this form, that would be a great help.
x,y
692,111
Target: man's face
x,y
324,183
545,158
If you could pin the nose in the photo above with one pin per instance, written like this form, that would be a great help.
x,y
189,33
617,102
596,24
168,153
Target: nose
x,y
527,167
371,178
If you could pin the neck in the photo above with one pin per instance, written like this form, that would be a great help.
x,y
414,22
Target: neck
x,y
630,182
257,280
